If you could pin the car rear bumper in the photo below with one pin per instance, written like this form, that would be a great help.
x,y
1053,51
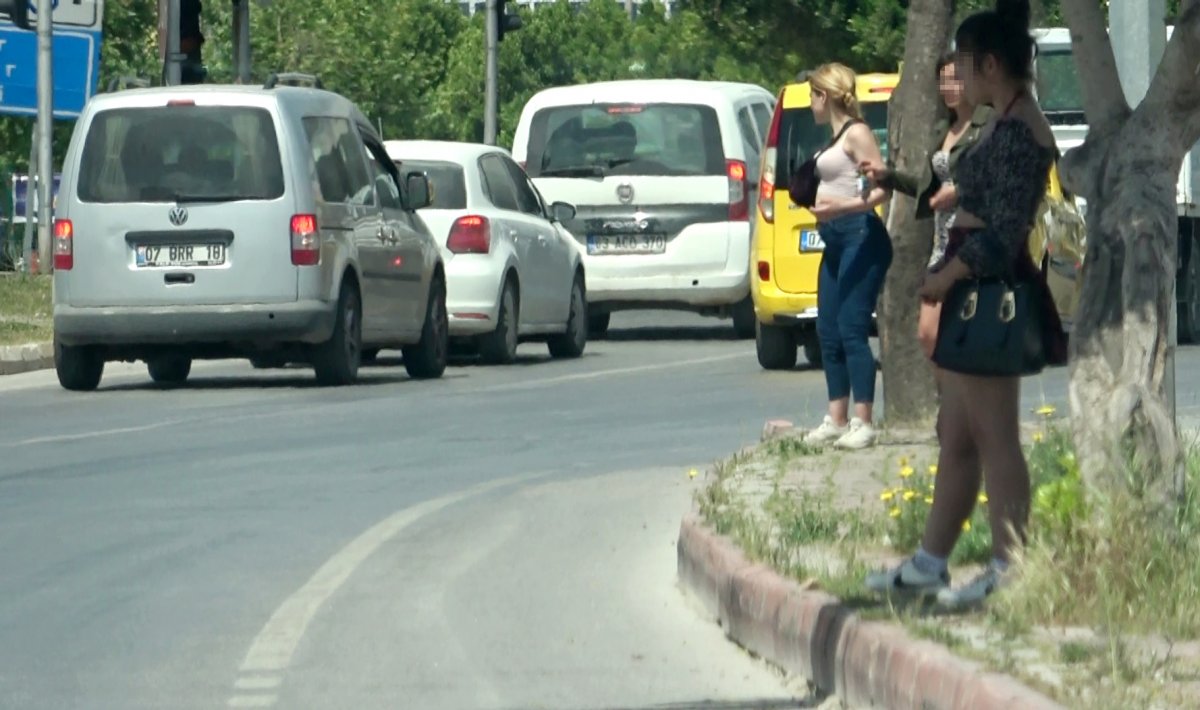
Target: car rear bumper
x,y
472,293
261,325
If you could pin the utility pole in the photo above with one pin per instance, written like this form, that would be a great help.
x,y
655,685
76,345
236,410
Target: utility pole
x,y
490,97
241,38
172,62
45,135
1138,32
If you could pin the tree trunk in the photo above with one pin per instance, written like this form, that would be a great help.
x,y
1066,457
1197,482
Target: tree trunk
x,y
910,397
1127,170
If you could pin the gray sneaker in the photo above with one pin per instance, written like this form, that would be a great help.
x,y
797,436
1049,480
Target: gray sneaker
x,y
975,591
826,433
906,579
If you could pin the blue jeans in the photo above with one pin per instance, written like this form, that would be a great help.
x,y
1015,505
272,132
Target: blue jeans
x,y
857,255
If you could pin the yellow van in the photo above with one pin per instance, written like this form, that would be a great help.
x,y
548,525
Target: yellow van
x,y
785,246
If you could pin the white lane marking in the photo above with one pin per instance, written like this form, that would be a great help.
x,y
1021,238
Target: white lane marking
x,y
252,701
271,651
258,683
94,434
531,384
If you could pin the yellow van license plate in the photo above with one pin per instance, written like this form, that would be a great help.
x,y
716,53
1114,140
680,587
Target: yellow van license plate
x,y
810,240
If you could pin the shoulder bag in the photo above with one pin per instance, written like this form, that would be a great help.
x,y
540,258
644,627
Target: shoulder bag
x,y
803,183
992,327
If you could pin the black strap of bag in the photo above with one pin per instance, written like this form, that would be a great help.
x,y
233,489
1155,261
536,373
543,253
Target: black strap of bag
x,y
803,183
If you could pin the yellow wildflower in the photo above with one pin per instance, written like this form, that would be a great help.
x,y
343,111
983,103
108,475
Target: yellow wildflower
x,y
909,495
886,496
903,461
929,500
907,472
1038,436
693,473
983,498
894,512
933,469
1046,410
966,525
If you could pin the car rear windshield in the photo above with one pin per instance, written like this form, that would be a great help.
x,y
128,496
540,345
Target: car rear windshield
x,y
597,140
800,137
446,182
168,153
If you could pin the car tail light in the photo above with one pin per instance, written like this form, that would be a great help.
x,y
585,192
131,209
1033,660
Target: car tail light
x,y
766,186
470,235
764,271
64,244
306,240
739,206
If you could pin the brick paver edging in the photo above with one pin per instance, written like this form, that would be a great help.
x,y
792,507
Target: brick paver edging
x,y
15,359
810,633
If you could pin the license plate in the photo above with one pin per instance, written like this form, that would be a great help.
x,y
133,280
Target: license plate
x,y
150,255
627,244
810,240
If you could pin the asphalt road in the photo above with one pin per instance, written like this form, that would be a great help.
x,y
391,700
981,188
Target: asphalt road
x,y
501,538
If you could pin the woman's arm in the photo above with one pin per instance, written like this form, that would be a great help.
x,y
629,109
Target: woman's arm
x,y
861,147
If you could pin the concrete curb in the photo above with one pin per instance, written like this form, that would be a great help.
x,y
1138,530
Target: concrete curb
x,y
15,359
810,633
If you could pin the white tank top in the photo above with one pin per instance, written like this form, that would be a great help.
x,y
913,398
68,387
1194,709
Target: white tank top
x,y
838,173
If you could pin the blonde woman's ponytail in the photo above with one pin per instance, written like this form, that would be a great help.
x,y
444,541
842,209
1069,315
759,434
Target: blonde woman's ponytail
x,y
838,82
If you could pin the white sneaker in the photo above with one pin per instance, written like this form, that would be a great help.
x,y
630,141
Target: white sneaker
x,y
907,579
827,432
975,591
860,435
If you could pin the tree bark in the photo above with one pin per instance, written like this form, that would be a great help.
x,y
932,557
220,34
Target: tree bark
x,y
1127,171
910,397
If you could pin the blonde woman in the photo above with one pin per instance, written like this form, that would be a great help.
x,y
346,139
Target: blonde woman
x,y
857,255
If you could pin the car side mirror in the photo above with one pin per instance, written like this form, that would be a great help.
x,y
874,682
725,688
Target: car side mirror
x,y
417,190
562,212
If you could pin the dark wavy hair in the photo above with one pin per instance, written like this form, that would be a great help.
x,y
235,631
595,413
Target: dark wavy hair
x,y
1002,33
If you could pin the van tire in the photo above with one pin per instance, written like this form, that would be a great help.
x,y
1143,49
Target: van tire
x,y
336,360
79,368
170,369
499,347
744,319
572,342
598,325
776,347
370,355
427,359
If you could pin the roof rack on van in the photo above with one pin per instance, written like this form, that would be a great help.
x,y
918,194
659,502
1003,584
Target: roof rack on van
x,y
120,83
292,79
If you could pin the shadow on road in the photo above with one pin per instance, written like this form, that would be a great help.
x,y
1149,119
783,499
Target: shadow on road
x,y
303,379
659,333
762,704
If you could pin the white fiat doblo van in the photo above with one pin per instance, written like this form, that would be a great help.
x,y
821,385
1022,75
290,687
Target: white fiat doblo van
x,y
231,221
663,174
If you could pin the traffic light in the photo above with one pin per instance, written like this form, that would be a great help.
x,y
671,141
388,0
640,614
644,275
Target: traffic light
x,y
17,11
504,21
191,41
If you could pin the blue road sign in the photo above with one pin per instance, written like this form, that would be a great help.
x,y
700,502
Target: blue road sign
x,y
20,193
76,70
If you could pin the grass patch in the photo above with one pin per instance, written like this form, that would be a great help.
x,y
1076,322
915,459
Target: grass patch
x,y
26,311
21,333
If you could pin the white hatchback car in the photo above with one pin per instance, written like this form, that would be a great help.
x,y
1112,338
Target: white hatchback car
x,y
663,173
513,272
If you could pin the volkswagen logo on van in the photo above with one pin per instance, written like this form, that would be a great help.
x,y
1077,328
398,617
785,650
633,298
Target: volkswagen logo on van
x,y
625,193
178,216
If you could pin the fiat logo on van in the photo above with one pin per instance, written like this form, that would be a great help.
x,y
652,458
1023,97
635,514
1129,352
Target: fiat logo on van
x,y
625,193
178,216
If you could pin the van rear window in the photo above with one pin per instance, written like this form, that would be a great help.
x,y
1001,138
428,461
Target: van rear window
x,y
596,140
800,137
165,153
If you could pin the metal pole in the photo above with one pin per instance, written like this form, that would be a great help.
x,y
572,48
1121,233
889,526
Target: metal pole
x,y
241,34
490,99
45,136
174,68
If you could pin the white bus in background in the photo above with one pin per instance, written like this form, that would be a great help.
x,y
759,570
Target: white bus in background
x,y
1059,95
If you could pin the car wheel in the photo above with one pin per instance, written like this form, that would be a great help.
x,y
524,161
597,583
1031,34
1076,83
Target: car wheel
x,y
598,325
427,359
571,343
744,319
370,355
170,370
499,347
776,347
336,360
79,368
812,351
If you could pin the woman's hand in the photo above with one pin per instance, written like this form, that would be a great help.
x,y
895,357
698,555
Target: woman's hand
x,y
825,211
874,169
937,285
946,198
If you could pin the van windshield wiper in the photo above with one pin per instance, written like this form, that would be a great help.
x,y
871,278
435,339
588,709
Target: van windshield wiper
x,y
574,171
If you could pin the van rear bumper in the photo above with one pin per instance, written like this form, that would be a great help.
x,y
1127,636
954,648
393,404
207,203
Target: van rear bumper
x,y
299,322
